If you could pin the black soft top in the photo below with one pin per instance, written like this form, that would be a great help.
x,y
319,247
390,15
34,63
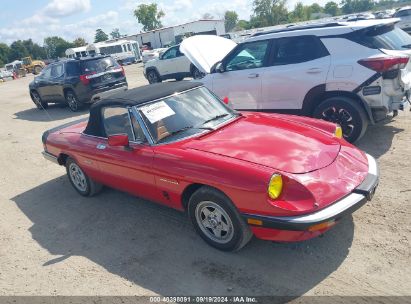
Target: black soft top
x,y
134,97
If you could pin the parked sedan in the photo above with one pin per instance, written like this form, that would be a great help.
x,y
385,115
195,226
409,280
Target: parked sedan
x,y
282,178
76,82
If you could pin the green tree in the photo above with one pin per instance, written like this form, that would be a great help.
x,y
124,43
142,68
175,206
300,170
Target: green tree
x,y
100,36
56,46
230,20
79,42
115,33
268,12
4,54
356,6
34,50
299,13
331,8
242,25
149,16
315,8
18,50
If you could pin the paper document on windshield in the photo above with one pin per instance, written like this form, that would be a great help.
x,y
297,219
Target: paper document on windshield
x,y
157,111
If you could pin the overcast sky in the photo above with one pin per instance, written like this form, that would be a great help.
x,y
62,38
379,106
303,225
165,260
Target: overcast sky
x,y
37,19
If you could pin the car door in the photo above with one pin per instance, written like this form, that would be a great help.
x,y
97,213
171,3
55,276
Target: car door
x,y
56,82
297,64
126,169
168,62
243,69
183,64
42,83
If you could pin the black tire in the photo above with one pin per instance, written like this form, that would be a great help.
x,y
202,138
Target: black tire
x,y
222,216
73,103
81,182
37,69
153,77
40,104
347,113
196,74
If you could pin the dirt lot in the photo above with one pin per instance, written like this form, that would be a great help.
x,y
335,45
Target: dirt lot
x,y
55,242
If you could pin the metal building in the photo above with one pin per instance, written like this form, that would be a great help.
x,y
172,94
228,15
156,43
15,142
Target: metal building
x,y
167,36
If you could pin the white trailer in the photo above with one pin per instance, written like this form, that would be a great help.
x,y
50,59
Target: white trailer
x,y
124,51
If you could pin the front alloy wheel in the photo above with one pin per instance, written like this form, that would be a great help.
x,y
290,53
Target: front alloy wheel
x,y
217,220
214,222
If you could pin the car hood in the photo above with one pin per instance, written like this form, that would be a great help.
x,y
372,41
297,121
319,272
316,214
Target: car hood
x,y
204,51
277,142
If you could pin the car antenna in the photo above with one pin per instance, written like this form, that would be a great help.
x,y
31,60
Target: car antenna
x,y
47,113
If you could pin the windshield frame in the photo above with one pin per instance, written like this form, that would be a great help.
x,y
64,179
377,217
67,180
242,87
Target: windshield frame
x,y
136,111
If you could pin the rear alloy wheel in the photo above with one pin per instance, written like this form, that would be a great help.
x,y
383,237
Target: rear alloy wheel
x,y
153,77
41,105
80,181
196,73
347,113
72,101
217,221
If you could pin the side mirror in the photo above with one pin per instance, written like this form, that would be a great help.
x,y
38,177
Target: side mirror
x,y
118,140
220,68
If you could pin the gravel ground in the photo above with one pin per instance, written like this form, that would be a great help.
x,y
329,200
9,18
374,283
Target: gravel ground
x,y
55,242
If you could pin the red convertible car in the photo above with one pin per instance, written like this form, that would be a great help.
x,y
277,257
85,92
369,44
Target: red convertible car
x,y
278,177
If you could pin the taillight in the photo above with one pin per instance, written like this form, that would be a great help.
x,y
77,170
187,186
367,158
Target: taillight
x,y
84,79
383,64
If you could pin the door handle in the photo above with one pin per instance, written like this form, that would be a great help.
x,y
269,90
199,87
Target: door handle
x,y
253,75
314,71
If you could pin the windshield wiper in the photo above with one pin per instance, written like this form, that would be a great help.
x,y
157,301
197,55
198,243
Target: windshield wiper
x,y
215,118
109,66
182,130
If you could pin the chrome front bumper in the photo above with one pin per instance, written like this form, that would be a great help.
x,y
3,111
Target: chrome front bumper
x,y
347,205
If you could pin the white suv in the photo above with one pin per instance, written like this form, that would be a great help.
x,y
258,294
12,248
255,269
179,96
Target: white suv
x,y
404,14
351,73
171,64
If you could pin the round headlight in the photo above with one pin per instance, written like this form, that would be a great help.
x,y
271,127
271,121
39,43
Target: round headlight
x,y
338,132
275,186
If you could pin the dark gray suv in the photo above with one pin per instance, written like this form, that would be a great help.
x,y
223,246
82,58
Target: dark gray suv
x,y
77,82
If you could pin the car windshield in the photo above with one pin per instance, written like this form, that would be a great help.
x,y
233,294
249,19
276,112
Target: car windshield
x,y
184,114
